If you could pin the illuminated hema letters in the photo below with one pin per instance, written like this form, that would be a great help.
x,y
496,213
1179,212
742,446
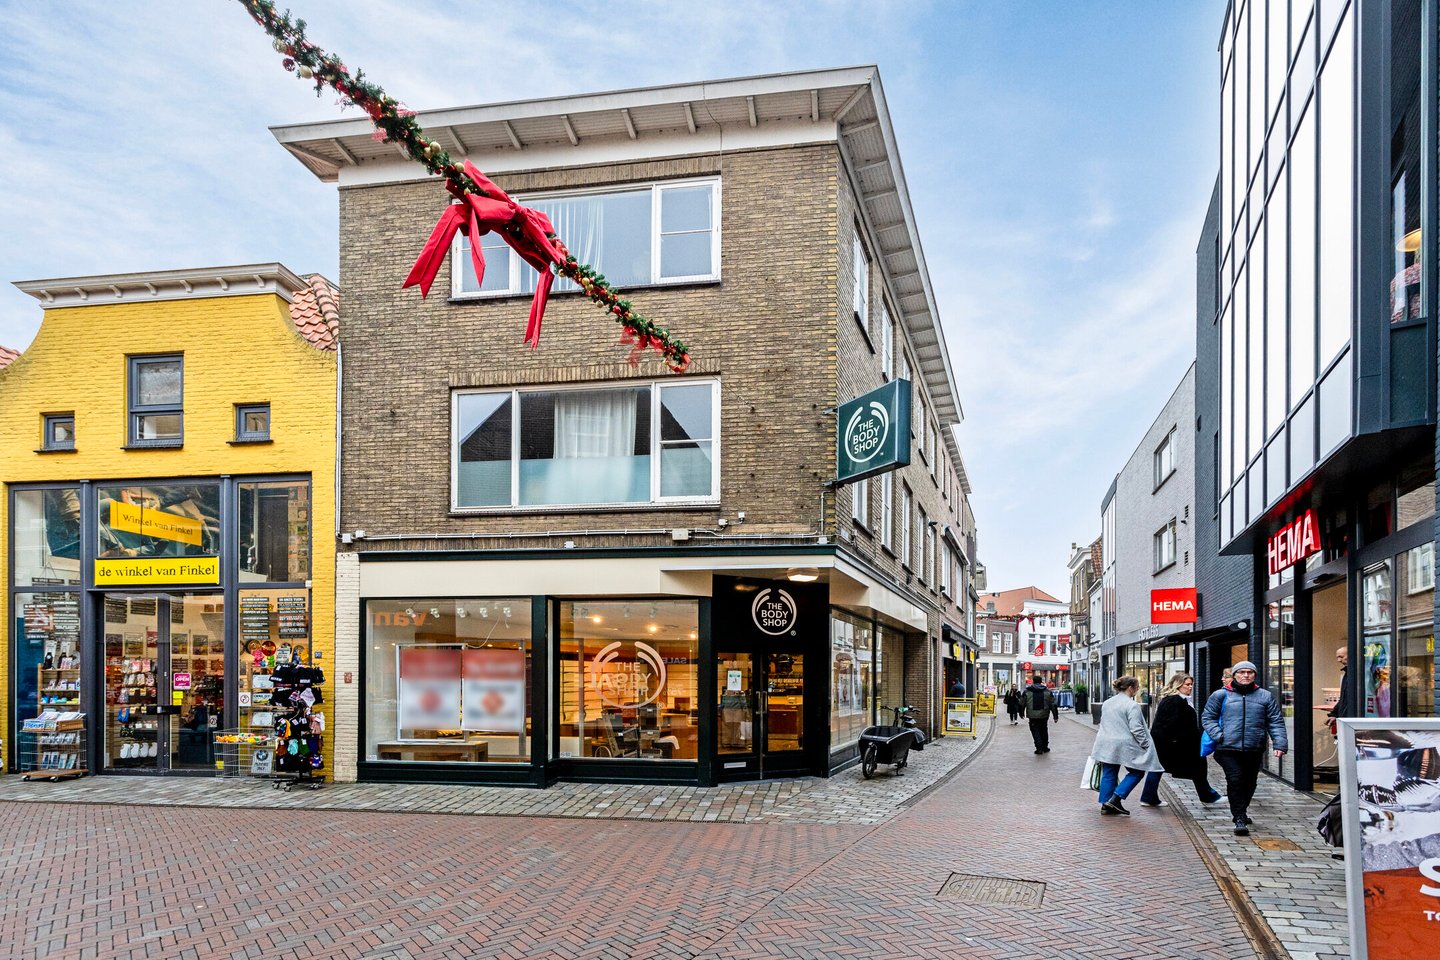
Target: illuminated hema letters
x,y
870,432
628,685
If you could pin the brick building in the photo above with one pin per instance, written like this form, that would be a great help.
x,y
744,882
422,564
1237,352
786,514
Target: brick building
x,y
560,565
1039,627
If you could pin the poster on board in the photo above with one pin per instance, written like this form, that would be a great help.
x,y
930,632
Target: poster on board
x,y
494,694
960,717
429,689
985,704
1390,798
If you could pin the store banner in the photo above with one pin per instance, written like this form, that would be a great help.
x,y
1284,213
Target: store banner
x,y
133,518
429,688
1175,605
494,690
158,570
1390,799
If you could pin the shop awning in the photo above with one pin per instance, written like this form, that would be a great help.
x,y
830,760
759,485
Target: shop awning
x,y
1195,636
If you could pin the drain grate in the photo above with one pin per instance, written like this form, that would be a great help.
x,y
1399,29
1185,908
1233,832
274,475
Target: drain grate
x,y
996,891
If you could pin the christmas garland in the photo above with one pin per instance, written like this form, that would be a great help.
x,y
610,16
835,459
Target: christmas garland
x,y
395,124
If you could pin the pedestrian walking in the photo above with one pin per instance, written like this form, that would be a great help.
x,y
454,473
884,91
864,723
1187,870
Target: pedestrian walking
x,y
1176,732
1123,740
1040,707
1240,720
1012,705
1345,705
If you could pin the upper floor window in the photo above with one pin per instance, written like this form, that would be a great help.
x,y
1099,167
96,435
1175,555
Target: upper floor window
x,y
887,509
1165,458
157,393
860,494
1165,546
637,442
860,270
906,510
59,432
252,422
659,233
924,538
887,342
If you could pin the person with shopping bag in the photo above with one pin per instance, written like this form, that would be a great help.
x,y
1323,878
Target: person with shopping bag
x,y
1123,740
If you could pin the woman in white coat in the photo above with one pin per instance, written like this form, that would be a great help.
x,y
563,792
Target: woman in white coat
x,y
1123,740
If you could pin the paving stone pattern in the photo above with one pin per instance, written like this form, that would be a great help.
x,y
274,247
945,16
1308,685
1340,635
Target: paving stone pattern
x,y
83,880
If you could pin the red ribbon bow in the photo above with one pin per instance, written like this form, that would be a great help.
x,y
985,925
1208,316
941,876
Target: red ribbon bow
x,y
527,231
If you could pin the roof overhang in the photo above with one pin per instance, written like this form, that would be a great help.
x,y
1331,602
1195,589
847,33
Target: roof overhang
x,y
845,106
188,284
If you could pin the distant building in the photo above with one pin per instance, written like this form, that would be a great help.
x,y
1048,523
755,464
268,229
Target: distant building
x,y
1040,625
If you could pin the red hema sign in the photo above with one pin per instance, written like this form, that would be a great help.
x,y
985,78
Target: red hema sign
x,y
1173,606
1294,542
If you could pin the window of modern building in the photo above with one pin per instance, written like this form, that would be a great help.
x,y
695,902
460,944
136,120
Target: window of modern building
x,y
58,431
158,520
252,422
633,442
628,679
887,509
1276,293
1165,458
860,501
889,670
887,342
906,513
1164,546
274,540
650,234
1337,192
448,680
157,397
851,677
860,280
45,536
1302,256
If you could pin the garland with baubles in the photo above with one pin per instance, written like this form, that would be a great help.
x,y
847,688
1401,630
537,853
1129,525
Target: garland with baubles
x,y
483,207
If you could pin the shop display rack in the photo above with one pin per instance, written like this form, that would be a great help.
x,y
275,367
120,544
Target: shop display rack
x,y
242,752
52,746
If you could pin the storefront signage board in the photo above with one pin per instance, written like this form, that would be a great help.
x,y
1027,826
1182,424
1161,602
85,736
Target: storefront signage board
x,y
133,518
985,703
873,432
1293,542
1389,781
1179,605
493,698
157,570
960,717
429,688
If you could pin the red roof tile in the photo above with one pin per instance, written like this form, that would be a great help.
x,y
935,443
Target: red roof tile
x,y
1010,602
316,312
7,356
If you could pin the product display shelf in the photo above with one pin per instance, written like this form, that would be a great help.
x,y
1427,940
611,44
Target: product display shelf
x,y
58,687
52,746
131,733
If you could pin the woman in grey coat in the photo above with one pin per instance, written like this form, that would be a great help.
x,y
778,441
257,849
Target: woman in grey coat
x,y
1123,740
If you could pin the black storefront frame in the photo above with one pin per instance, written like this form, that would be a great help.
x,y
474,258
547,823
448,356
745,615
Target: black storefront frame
x,y
91,642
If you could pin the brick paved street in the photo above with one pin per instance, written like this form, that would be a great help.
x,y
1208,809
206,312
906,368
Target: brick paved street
x,y
131,881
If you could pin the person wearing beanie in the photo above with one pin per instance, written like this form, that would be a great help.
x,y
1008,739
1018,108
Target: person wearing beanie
x,y
1240,719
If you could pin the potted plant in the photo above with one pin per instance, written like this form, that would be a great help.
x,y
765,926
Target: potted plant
x,y
1082,696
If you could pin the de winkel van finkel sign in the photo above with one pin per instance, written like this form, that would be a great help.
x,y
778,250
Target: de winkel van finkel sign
x,y
873,432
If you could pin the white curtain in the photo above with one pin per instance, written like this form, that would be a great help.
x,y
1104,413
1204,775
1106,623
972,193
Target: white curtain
x,y
598,423
580,222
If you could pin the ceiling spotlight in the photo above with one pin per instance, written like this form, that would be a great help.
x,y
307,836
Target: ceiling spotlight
x,y
506,611
434,611
653,628
597,619
461,612
484,612
409,611
802,574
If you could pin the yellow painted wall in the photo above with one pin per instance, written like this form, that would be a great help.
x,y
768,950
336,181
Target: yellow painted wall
x,y
238,349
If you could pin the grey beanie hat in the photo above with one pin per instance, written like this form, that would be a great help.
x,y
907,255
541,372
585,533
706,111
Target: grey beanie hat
x,y
1243,665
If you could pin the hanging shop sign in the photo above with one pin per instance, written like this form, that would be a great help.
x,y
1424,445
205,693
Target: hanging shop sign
x,y
157,570
1293,542
1179,605
134,518
873,432
1389,788
429,688
960,716
494,690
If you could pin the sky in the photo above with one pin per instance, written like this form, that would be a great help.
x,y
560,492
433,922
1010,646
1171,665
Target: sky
x,y
1059,155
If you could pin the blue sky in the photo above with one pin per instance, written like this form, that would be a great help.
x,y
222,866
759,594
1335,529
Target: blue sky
x,y
1059,156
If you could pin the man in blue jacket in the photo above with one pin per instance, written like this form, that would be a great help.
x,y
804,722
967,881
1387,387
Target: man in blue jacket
x,y
1239,720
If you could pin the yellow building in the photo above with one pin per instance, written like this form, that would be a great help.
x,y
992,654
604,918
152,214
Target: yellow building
x,y
167,446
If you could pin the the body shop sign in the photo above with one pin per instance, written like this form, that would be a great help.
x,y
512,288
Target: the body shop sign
x,y
873,432
1390,796
1293,542
1174,606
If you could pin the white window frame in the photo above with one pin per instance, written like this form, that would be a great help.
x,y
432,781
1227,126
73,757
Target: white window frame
x,y
945,561
656,501
860,501
923,540
458,258
907,507
1162,452
887,341
887,509
1009,643
1165,537
860,280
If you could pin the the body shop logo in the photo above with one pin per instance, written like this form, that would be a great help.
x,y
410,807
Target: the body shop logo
x,y
867,431
773,611
630,684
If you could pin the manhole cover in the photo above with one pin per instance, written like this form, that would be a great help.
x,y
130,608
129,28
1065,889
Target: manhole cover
x,y
992,890
1276,843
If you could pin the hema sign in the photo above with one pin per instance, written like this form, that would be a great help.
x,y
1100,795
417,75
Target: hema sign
x,y
873,432
1176,605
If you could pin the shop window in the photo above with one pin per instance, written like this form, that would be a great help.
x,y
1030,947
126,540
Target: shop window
x,y
1279,642
1416,499
45,536
448,681
46,650
1413,676
252,422
628,682
161,520
157,392
851,678
273,624
1164,542
58,432
1165,458
652,234
275,531
591,446
1376,621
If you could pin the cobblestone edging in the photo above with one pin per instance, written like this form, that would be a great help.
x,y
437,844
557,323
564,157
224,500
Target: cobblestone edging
x,y
1282,875
846,798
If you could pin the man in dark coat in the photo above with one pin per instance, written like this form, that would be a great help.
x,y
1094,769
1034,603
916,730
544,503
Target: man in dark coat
x,y
1176,732
1345,706
1040,707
